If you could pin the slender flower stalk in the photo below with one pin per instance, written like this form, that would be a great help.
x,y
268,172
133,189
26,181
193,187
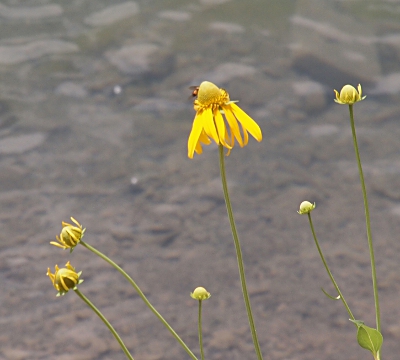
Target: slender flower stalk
x,y
238,253
349,96
327,267
200,294
66,279
367,220
143,297
106,322
200,332
220,119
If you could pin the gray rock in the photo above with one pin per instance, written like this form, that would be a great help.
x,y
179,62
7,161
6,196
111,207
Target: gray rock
x,y
311,95
332,54
31,13
112,14
72,89
229,28
175,15
21,143
142,59
226,72
387,85
15,54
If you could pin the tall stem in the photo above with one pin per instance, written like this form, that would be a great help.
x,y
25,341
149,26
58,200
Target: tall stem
x,y
110,327
327,269
367,220
200,332
146,301
238,253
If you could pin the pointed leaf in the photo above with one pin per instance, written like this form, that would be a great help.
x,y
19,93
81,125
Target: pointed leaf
x,y
368,338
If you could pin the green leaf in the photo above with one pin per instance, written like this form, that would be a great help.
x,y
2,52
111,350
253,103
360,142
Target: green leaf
x,y
368,338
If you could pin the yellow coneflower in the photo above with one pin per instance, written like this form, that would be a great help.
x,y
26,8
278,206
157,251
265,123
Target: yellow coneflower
x,y
209,123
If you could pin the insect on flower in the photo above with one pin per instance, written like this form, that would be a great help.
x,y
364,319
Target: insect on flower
x,y
195,91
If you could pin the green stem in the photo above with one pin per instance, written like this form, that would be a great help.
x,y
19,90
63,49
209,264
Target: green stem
x,y
200,333
146,301
327,269
110,327
238,253
368,222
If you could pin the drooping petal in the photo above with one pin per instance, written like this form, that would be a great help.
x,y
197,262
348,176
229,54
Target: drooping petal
x,y
207,120
194,136
221,128
233,125
246,136
202,139
198,149
247,122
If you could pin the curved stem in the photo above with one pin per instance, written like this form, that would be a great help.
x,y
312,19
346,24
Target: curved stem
x,y
146,301
327,269
238,253
367,220
110,327
200,333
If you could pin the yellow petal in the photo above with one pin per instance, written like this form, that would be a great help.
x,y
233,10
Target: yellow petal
x,y
202,139
233,125
247,122
198,149
246,137
194,136
207,119
221,128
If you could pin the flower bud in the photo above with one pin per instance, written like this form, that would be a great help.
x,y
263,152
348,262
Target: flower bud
x,y
200,294
64,279
306,207
349,95
70,235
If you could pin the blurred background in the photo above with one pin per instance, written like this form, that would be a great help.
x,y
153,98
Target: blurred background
x,y
95,112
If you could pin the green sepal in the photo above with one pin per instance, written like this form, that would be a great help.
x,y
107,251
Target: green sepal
x,y
368,338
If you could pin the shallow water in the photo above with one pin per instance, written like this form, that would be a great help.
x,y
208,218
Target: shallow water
x,y
94,119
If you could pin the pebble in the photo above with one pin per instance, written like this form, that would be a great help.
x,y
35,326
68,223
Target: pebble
x,y
323,130
72,89
21,143
160,105
175,15
112,14
213,2
321,37
229,28
225,72
31,13
140,59
389,84
15,54
311,95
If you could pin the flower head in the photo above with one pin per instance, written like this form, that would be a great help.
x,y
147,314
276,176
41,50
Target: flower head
x,y
200,294
306,207
209,123
70,235
349,95
64,279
